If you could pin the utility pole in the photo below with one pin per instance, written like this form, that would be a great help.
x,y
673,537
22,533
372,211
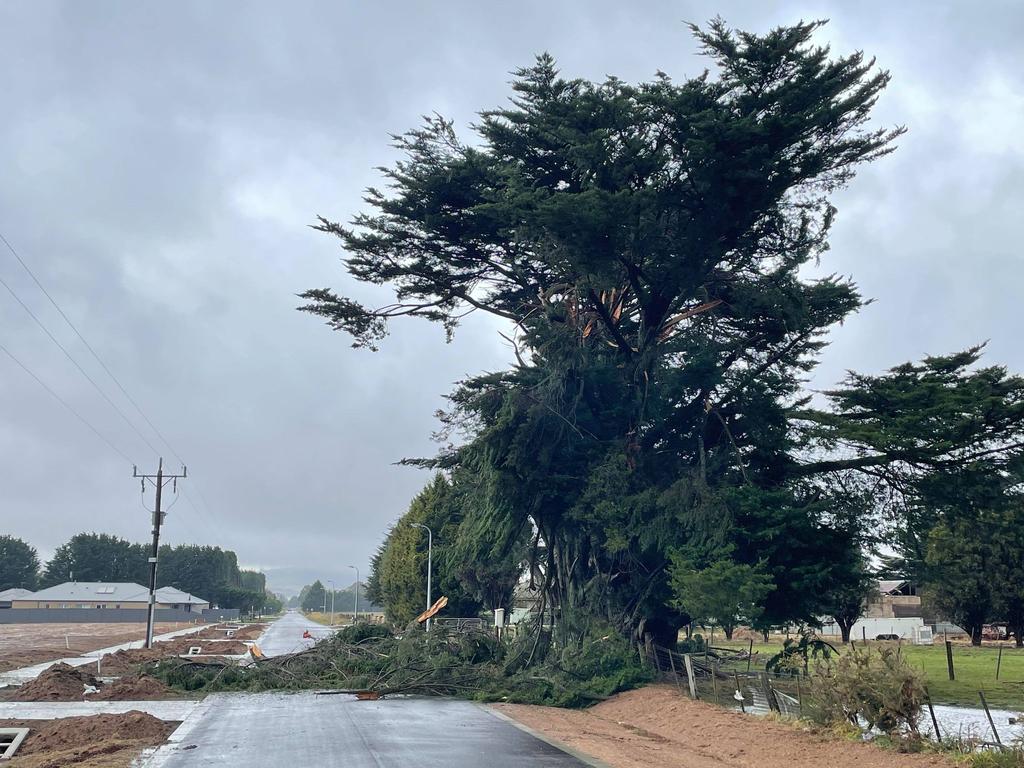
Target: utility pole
x,y
159,480
355,616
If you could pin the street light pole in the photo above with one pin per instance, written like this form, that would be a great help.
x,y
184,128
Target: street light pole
x,y
331,582
430,563
355,616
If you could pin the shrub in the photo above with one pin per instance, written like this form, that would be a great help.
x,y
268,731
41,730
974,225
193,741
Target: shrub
x,y
877,689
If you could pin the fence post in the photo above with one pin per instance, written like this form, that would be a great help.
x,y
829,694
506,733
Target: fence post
x,y
999,661
750,654
714,679
931,709
689,675
675,674
769,694
989,716
736,677
799,696
949,660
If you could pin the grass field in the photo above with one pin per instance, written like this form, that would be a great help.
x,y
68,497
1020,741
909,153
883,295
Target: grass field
x,y
974,668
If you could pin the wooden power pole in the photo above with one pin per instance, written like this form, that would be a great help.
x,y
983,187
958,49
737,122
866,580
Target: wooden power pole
x,y
159,480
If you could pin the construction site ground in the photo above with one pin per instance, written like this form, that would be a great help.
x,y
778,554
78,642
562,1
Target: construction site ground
x,y
657,727
97,741
22,645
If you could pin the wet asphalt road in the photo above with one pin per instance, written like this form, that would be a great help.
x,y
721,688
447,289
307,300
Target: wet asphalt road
x,y
304,730
285,634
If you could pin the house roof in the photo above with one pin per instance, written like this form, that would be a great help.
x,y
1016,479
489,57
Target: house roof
x,y
128,591
15,594
91,590
174,595
888,586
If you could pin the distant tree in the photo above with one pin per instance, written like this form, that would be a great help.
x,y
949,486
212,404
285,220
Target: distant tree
x,y
960,561
313,597
97,557
273,603
254,581
846,598
725,593
19,564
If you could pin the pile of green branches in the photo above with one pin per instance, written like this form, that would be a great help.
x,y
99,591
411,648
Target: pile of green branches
x,y
471,665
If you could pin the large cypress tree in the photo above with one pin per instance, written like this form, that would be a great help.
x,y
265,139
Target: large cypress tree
x,y
645,243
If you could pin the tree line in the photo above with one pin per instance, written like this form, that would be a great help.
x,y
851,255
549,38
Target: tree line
x,y
204,571
315,596
653,456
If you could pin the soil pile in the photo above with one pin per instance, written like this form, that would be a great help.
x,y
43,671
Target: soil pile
x,y
126,662
141,688
57,683
96,741
220,632
657,727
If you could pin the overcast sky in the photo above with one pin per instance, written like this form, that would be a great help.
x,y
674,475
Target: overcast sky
x,y
160,163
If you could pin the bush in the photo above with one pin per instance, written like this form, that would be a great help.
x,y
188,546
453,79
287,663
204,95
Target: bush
x,y
363,630
877,689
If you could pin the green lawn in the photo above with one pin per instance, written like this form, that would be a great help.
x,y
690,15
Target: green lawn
x,y
975,670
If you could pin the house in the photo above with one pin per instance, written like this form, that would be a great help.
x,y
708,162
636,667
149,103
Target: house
x,y
9,595
102,595
895,599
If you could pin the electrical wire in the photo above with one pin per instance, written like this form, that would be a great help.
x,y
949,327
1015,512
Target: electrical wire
x,y
206,519
65,403
74,362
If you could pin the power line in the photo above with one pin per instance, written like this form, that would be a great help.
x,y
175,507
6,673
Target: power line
x,y
65,403
76,364
113,378
88,346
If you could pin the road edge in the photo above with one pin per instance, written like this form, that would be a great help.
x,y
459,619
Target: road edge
x,y
583,757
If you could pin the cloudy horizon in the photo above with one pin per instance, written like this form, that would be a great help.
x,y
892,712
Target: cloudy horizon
x,y
160,165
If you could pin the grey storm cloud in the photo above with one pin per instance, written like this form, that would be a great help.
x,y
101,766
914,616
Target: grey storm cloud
x,y
160,163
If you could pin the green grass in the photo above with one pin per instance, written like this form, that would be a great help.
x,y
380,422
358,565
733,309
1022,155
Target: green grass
x,y
975,670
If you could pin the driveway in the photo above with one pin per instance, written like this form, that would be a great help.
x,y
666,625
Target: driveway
x,y
305,730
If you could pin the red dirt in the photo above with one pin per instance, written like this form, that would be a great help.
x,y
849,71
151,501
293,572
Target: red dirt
x,y
22,645
219,632
58,683
656,727
126,662
141,688
96,741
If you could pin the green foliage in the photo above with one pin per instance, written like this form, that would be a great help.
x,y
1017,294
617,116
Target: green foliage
x,y
472,566
19,564
878,687
313,597
724,593
796,654
647,242
469,665
97,557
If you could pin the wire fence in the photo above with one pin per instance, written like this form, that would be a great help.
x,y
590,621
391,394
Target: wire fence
x,y
716,676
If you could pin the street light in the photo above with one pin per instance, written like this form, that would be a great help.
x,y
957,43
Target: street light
x,y
430,562
331,582
355,616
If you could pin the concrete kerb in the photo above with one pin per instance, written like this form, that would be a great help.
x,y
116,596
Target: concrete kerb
x,y
176,741
581,756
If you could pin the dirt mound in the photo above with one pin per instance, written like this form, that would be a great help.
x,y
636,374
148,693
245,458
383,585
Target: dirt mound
x,y
127,662
220,632
96,741
57,683
141,688
657,727
208,647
